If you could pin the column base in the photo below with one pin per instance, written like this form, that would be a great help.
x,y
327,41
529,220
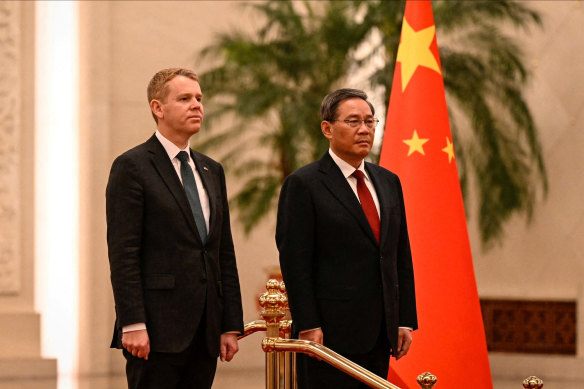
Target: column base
x,y
28,373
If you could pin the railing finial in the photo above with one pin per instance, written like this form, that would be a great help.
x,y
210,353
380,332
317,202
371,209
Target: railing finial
x,y
426,380
532,382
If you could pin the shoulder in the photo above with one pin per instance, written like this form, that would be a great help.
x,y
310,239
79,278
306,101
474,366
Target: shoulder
x,y
203,158
131,157
304,175
307,170
381,172
207,163
140,151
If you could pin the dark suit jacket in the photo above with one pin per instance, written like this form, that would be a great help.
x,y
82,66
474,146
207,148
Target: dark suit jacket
x,y
337,276
160,271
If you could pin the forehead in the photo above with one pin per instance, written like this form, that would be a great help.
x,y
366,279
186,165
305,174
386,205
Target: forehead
x,y
182,84
353,107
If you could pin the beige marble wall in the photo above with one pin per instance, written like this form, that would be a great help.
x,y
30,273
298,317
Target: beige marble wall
x,y
124,42
20,355
545,259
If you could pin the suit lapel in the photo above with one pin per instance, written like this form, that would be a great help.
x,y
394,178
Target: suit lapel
x,y
383,196
337,184
167,173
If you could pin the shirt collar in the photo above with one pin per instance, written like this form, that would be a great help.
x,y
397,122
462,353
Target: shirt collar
x,y
171,149
345,167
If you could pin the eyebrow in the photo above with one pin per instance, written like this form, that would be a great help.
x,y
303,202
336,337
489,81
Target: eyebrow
x,y
189,94
355,116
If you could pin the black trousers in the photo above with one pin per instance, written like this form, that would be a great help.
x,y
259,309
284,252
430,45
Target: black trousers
x,y
314,374
192,368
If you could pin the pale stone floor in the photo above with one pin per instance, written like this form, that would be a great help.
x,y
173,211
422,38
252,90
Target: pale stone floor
x,y
255,380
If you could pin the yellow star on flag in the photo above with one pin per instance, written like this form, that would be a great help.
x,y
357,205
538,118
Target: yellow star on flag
x,y
449,149
414,51
416,144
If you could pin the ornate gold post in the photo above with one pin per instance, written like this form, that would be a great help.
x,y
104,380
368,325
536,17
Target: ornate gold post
x,y
288,358
532,382
426,380
273,311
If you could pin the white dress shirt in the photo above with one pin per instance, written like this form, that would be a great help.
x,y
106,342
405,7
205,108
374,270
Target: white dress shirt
x,y
348,170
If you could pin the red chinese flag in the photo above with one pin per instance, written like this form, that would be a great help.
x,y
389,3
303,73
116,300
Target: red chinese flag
x,y
417,146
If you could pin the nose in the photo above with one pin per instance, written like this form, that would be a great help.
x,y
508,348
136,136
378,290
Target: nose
x,y
363,129
196,104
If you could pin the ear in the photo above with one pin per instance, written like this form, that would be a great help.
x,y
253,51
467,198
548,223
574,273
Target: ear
x,y
327,129
156,107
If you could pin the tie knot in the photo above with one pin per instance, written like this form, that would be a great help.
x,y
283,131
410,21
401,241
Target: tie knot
x,y
358,174
183,156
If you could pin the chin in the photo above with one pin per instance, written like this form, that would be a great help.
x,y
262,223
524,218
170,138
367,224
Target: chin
x,y
363,152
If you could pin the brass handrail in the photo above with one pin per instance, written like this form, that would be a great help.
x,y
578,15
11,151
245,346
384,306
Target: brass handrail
x,y
280,350
253,327
336,360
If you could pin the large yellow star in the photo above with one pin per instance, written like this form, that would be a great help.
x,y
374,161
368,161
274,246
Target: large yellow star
x,y
416,144
414,51
449,149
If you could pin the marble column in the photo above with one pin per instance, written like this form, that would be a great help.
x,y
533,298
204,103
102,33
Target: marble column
x,y
21,365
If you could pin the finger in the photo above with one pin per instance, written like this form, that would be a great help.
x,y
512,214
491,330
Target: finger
x,y
406,347
223,352
400,343
143,352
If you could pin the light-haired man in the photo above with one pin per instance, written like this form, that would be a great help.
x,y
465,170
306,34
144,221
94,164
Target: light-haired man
x,y
172,261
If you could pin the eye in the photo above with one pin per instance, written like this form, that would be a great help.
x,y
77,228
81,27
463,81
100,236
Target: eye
x,y
369,122
354,122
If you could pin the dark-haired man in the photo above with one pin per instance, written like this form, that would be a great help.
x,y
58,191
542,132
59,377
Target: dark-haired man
x,y
344,250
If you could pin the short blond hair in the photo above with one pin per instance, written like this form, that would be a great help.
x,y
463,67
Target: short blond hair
x,y
158,85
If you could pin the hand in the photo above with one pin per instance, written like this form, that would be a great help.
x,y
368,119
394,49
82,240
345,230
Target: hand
x,y
229,346
404,342
137,343
314,335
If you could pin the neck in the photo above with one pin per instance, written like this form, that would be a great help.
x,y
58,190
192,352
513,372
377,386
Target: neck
x,y
177,139
351,161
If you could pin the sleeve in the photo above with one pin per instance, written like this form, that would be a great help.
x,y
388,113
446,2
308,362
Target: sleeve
x,y
124,215
295,238
232,320
407,295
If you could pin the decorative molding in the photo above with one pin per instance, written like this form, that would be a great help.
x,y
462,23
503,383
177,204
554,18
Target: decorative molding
x,y
10,223
534,327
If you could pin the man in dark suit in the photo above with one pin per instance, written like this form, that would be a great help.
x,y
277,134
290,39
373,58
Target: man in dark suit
x,y
344,250
172,262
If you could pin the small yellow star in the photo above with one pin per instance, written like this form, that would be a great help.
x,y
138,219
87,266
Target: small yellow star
x,y
449,149
416,144
414,51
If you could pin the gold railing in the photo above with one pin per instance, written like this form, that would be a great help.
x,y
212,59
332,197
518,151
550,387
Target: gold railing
x,y
281,350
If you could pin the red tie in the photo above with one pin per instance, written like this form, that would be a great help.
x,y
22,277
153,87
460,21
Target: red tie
x,y
367,203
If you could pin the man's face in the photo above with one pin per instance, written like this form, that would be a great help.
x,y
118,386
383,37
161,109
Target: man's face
x,y
351,144
181,114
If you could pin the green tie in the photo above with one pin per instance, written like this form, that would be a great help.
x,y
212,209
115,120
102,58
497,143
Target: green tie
x,y
192,193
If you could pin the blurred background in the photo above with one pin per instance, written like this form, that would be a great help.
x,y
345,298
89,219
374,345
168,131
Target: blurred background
x,y
73,79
